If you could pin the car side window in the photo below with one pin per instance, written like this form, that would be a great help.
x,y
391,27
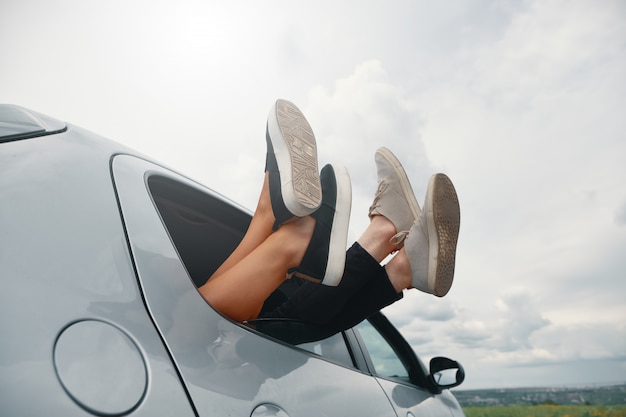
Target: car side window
x,y
332,348
204,229
316,339
384,358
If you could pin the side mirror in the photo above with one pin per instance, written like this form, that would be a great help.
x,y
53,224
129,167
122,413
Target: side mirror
x,y
446,373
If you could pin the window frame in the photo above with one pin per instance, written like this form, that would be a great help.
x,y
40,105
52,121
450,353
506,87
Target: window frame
x,y
170,194
372,360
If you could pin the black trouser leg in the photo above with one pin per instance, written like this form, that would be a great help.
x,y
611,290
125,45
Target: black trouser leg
x,y
364,289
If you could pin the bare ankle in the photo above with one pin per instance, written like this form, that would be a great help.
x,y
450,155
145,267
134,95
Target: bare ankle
x,y
383,226
399,271
376,238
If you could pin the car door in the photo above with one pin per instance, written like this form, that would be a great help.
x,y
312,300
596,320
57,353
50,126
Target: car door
x,y
178,233
402,375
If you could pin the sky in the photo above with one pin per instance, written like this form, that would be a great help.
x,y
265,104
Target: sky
x,y
520,103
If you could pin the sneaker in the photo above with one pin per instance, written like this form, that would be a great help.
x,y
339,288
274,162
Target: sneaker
x,y
295,188
394,197
431,243
325,257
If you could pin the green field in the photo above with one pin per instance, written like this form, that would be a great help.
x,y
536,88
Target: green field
x,y
547,411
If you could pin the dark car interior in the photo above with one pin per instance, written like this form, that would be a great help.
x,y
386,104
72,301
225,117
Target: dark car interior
x,y
203,228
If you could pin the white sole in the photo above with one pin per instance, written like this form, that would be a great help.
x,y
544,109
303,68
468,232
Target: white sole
x,y
339,232
295,149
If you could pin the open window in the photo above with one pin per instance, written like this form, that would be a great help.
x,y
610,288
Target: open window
x,y
203,228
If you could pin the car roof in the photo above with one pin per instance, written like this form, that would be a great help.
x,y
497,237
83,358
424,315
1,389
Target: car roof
x,y
18,123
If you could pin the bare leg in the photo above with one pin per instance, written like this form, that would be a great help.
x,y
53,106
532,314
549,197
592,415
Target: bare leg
x,y
399,271
365,287
260,228
375,239
240,291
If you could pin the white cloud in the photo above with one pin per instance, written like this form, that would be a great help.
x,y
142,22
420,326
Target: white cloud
x,y
363,112
620,214
518,321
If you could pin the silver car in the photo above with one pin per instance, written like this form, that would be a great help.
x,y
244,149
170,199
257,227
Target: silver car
x,y
101,254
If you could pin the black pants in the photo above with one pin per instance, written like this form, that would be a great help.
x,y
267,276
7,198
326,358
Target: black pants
x,y
364,289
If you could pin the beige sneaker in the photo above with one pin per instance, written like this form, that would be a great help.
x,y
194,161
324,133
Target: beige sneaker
x,y
431,243
394,197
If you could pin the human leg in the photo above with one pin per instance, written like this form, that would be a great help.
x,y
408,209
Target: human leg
x,y
290,223
240,291
366,286
260,228
291,186
425,239
427,259
338,306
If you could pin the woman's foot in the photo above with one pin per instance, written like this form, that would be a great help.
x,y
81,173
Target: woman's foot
x,y
291,162
378,238
431,242
394,197
325,257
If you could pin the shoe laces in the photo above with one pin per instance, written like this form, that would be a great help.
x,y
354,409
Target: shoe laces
x,y
382,187
399,238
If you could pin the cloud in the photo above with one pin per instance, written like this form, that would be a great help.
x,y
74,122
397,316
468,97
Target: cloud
x,y
548,48
586,341
519,319
471,334
523,340
417,306
567,344
620,214
362,112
